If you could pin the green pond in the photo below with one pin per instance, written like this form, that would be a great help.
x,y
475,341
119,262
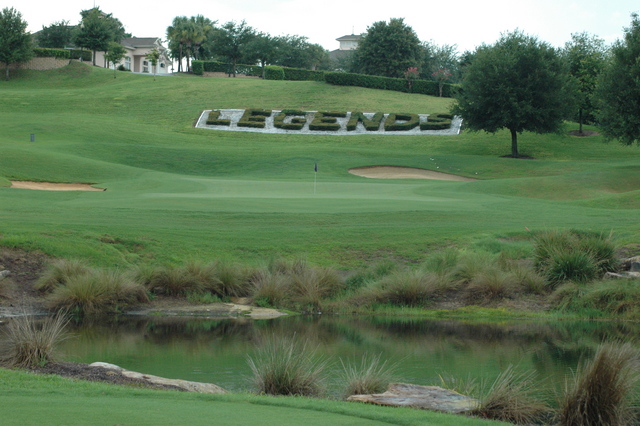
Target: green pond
x,y
216,350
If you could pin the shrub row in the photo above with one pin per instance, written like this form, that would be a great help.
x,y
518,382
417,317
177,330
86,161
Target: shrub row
x,y
271,72
200,67
424,87
299,74
214,119
41,52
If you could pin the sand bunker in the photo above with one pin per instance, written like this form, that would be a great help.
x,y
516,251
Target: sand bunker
x,y
394,172
50,186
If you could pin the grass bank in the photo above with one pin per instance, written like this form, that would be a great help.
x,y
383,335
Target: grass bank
x,y
76,402
177,193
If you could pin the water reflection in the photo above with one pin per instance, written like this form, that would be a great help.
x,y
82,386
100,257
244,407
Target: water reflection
x,y
216,350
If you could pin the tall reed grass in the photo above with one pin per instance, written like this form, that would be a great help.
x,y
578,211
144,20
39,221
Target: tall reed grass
x,y
32,343
286,366
59,272
98,291
571,255
511,398
603,390
369,376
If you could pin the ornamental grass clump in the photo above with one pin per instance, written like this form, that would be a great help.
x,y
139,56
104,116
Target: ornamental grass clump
x,y
100,291
602,390
562,256
31,343
511,399
367,377
59,272
286,366
270,289
192,277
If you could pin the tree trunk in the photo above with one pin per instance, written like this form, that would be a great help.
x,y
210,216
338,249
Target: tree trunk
x,y
580,122
180,59
514,143
234,67
94,58
264,64
6,74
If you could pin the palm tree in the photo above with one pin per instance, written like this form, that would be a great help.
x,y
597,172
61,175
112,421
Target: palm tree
x,y
177,35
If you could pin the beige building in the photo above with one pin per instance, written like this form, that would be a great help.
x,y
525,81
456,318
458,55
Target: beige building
x,y
135,59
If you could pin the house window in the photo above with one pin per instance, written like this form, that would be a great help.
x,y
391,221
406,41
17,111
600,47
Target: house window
x,y
127,63
162,65
145,66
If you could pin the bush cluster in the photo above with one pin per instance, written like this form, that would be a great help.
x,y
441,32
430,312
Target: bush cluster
x,y
214,119
42,52
401,122
254,118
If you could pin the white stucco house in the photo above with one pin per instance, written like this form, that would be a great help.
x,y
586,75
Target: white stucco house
x,y
348,43
135,59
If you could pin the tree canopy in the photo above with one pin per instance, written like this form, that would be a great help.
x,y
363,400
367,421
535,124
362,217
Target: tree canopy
x,y
519,83
231,40
586,56
618,89
56,36
97,29
15,43
387,49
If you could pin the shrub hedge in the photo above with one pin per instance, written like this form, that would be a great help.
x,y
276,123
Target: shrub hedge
x,y
84,55
324,122
200,67
295,124
273,72
437,122
299,74
214,119
41,52
424,87
254,118
372,124
401,122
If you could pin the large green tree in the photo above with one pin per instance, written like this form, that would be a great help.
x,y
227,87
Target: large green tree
x,y
231,39
56,36
97,30
519,83
586,55
15,43
262,48
618,89
387,49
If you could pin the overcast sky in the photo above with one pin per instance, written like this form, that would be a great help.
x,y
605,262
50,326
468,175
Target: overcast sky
x,y
466,23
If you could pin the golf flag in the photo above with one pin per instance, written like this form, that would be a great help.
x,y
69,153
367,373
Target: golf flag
x,y
315,168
